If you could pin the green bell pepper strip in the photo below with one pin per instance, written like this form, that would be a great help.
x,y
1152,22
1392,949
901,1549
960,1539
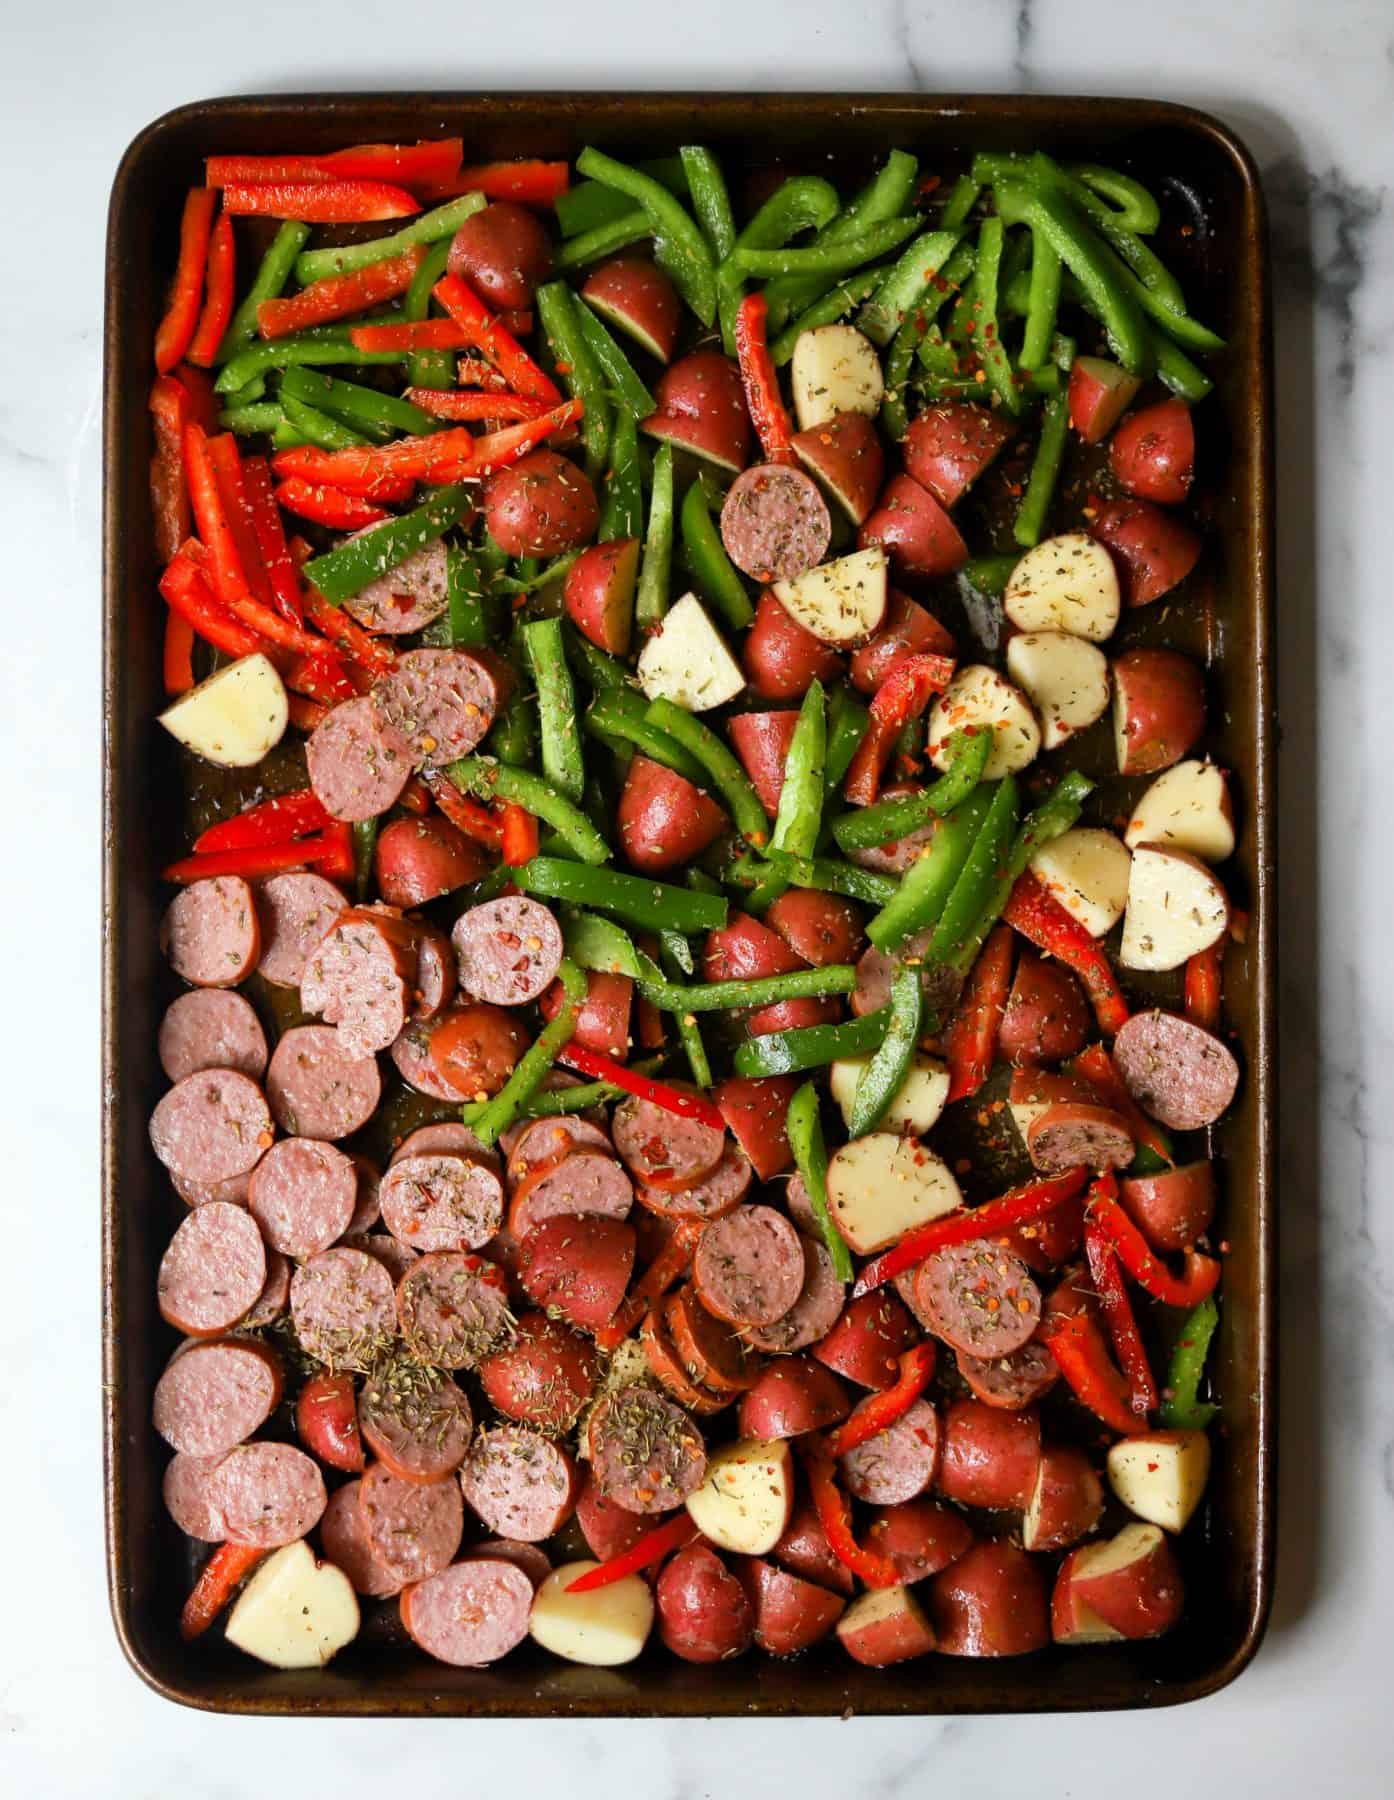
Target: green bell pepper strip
x,y
679,247
262,415
713,571
590,204
428,368
559,310
248,394
769,990
1043,304
988,339
885,196
809,1046
317,427
285,437
562,761
534,574
344,572
651,905
800,813
365,843
1176,371
513,739
605,240
925,887
267,284
549,1103
773,881
1062,352
825,259
920,268
1174,368
601,671
1148,1162
963,197
1182,1409
623,377
323,344
884,1076
832,877
700,881
977,880
802,203
490,1121
1137,210
426,228
464,625
710,200
655,569
622,511
954,279
1045,472
723,770
841,298
805,1132
490,780
677,949
900,358
848,720
377,415
622,714
889,820
989,574
596,943
689,1031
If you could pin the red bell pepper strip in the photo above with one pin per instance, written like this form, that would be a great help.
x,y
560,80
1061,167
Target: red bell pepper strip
x,y
761,383
378,470
1203,984
169,506
902,696
178,664
205,403
516,319
329,506
228,1565
476,820
270,534
415,796
445,403
186,588
531,183
307,463
497,448
670,1099
668,1267
971,1040
835,1516
176,329
1095,1065
414,165
232,490
305,714
1142,1264
1081,1355
880,1410
319,202
349,636
219,295
1128,1346
253,861
520,836
339,296
337,861
1034,912
671,1535
275,821
500,346
474,371
215,530
1017,1207
415,334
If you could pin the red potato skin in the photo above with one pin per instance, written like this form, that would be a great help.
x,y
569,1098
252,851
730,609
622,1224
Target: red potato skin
x,y
608,1529
701,406
1141,1600
599,594
579,1266
1161,697
632,287
418,860
761,740
603,1022
326,1422
704,1615
823,929
913,529
920,1537
755,1108
1046,1017
541,506
793,1015
1069,1499
503,252
664,820
1153,453
950,444
794,1396
544,1377
474,1048
1152,551
1173,1208
804,1550
991,1602
745,950
989,1457
897,1637
868,1339
780,659
909,630
846,458
1099,394
1067,1623
791,1614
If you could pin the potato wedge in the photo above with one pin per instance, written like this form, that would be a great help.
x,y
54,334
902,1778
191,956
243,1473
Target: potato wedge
x,y
606,1627
687,660
979,696
1065,678
1176,909
1086,870
235,717
1067,583
296,1612
1186,808
882,1185
835,370
839,602
746,1500
918,1103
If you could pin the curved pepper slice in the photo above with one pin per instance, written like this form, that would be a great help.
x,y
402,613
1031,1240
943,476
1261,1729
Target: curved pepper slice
x,y
902,696
671,1535
1143,1265
1082,1357
835,1516
762,396
880,1410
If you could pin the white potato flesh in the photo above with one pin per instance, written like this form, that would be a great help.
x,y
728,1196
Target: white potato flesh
x,y
1160,1476
606,1627
919,1100
687,661
1025,1113
746,1499
1065,678
842,601
980,697
835,370
1068,583
883,1185
1086,870
235,717
296,1612
1176,909
1186,808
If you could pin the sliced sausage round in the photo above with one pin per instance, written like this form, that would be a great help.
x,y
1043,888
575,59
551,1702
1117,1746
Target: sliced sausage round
x,y
978,1298
775,523
647,1454
749,1268
211,933
664,1149
302,1195
813,1314
435,972
1069,1134
899,1462
470,1614
520,1483
453,1309
358,761
211,1029
717,1194
415,1419
366,1211
707,1347
213,1396
212,1126
411,1052
448,1137
441,701
362,977
441,1202
509,950
548,1141
213,1272
1180,1073
664,1365
317,1089
588,1182
408,597
534,1563
579,1266
394,1257
268,1495
345,1541
413,1529
1011,1382
274,1297
204,1193
296,911
186,1496
344,1309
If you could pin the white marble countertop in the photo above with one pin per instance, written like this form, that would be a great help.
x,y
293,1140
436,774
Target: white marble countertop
x,y
1312,91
